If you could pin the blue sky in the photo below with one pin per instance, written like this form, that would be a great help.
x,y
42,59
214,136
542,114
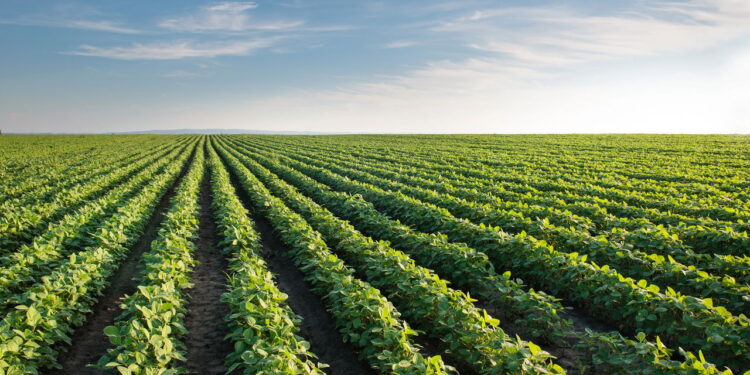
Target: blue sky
x,y
377,66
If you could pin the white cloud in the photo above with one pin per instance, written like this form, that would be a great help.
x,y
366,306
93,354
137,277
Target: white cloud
x,y
555,43
400,44
176,50
531,55
102,26
527,70
105,26
330,28
683,103
230,17
522,81
557,35
232,6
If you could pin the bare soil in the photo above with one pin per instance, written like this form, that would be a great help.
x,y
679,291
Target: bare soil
x,y
581,321
206,347
565,355
317,326
88,341
430,347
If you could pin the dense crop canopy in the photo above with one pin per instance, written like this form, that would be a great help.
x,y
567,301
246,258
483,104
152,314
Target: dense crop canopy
x,y
472,254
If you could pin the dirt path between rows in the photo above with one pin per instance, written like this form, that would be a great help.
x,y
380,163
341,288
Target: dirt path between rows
x,y
317,325
566,355
206,347
88,341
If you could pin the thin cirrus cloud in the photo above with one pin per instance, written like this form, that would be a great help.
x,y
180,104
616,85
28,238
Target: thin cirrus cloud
x,y
233,7
400,44
175,50
100,25
219,18
515,68
559,36
229,17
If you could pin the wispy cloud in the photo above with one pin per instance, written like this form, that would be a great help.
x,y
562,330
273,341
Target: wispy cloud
x,y
102,26
520,55
176,49
400,44
233,7
329,28
522,47
555,35
230,17
96,25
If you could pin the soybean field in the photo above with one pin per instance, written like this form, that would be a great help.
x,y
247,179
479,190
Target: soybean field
x,y
374,254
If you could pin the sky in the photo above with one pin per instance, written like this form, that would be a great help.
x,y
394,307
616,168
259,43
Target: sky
x,y
443,66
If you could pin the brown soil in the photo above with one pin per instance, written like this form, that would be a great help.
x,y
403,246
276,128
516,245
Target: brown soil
x,y
206,347
317,326
88,341
565,355
581,321
430,347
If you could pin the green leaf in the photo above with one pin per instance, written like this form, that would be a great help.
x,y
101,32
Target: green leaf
x,y
111,331
33,317
534,348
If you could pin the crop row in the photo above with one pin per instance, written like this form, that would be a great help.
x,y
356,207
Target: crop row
x,y
635,306
701,234
263,328
363,316
640,233
555,173
467,268
52,175
630,262
60,178
146,337
678,240
45,253
595,165
470,334
19,226
48,312
35,173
